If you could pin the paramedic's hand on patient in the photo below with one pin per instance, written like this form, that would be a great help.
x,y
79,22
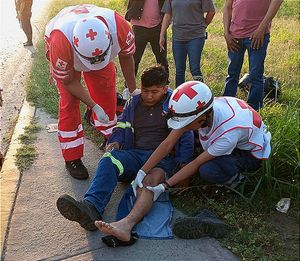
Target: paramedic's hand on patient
x,y
138,180
157,190
100,113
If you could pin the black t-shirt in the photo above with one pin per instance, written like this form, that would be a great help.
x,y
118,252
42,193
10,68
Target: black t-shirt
x,y
150,127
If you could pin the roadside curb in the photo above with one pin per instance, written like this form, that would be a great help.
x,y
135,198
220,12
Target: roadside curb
x,y
10,176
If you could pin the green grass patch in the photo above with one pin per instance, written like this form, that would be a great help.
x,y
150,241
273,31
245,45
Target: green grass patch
x,y
27,153
252,236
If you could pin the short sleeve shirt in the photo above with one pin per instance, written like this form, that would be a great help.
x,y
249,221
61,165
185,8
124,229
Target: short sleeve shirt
x,y
247,15
188,17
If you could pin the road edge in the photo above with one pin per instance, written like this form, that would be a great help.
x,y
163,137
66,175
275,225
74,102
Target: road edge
x,y
10,176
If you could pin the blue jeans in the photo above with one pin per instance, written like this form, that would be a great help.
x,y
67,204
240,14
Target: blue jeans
x,y
256,71
193,49
223,169
119,165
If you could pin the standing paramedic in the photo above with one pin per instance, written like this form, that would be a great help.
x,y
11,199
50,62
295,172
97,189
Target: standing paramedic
x,y
85,39
247,26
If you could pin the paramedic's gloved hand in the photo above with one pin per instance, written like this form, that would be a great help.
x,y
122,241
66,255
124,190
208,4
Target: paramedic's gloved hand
x,y
126,94
139,178
157,190
135,92
101,115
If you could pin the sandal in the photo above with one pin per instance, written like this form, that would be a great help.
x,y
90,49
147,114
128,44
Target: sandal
x,y
112,241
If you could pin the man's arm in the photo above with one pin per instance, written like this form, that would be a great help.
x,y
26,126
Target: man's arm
x,y
164,26
76,89
181,175
232,44
209,16
127,67
257,38
190,169
162,150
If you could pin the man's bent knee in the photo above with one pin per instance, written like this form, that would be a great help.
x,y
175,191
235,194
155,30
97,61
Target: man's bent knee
x,y
154,177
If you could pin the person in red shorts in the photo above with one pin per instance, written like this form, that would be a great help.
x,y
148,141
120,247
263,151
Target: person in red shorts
x,y
83,40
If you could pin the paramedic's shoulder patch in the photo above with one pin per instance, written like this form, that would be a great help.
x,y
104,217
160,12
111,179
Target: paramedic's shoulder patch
x,y
60,64
130,38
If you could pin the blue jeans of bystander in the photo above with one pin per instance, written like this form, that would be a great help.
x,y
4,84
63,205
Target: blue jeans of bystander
x,y
193,49
256,71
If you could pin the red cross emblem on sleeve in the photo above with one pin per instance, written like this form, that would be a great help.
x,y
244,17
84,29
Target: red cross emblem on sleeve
x,y
60,64
187,90
129,38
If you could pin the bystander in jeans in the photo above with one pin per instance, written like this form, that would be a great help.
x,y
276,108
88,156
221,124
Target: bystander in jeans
x,y
247,26
190,19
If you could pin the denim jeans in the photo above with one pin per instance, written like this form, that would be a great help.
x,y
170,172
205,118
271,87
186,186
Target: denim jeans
x,y
256,71
143,36
193,49
223,169
119,165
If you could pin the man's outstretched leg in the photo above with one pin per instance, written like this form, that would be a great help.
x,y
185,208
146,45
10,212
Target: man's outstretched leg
x,y
122,228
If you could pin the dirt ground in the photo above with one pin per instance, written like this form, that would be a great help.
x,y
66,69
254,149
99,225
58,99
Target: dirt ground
x,y
287,226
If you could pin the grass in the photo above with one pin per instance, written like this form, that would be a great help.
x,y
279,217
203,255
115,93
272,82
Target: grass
x,y
27,153
248,209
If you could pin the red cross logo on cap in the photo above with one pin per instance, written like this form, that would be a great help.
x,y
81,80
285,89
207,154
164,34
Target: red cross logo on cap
x,y
200,105
91,34
97,52
172,109
187,90
76,40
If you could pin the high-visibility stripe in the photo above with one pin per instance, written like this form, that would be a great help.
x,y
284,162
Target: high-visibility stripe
x,y
124,125
71,144
70,134
107,131
115,161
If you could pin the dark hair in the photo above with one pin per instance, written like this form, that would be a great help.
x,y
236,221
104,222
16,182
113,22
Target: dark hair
x,y
154,75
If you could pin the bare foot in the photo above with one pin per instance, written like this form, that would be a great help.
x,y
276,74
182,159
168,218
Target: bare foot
x,y
119,229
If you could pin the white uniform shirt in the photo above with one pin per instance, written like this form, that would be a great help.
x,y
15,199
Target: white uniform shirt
x,y
235,125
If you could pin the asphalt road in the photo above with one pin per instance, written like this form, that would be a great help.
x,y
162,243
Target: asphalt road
x,y
15,62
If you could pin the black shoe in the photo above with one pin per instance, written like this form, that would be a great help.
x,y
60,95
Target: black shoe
x,y
205,223
76,169
82,212
88,117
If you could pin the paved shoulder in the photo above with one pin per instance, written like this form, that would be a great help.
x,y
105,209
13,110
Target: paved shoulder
x,y
38,231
